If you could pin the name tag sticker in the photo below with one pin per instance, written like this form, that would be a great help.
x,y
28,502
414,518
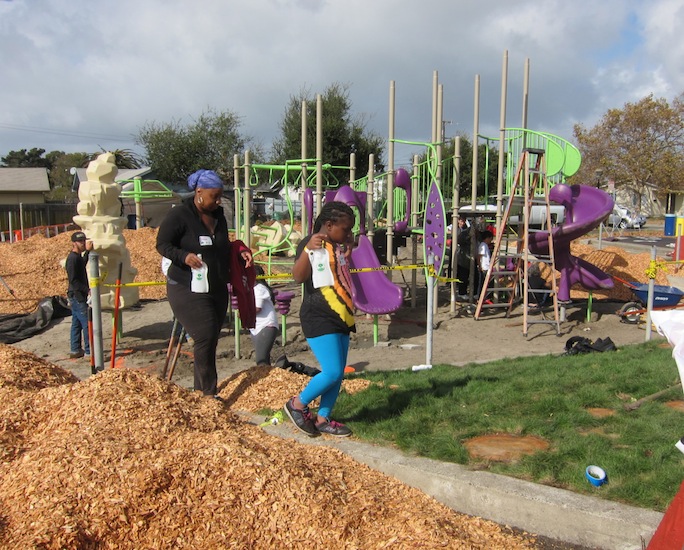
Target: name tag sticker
x,y
205,241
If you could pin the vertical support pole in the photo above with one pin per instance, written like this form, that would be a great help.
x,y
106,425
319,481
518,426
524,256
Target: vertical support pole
x,y
435,117
247,204
21,219
502,143
526,92
238,329
319,153
590,302
370,192
283,329
456,199
236,194
390,179
137,189
352,167
651,292
304,178
414,223
430,311
473,197
115,315
94,284
376,336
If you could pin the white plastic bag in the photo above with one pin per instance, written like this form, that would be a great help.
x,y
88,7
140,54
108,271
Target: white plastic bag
x,y
200,283
321,274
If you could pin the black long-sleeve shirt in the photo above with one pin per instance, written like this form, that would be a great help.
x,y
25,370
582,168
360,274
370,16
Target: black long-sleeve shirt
x,y
76,268
183,232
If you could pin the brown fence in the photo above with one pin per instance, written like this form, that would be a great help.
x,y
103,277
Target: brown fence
x,y
19,221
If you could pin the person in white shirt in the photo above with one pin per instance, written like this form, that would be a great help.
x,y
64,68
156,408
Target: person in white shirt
x,y
266,329
484,256
483,253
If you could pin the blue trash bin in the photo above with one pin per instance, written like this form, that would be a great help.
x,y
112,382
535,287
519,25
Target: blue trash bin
x,y
670,224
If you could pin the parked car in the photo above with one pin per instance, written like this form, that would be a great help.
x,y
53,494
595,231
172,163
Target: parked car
x,y
624,218
155,201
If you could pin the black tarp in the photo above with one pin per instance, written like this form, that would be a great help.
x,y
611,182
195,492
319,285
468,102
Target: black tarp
x,y
19,326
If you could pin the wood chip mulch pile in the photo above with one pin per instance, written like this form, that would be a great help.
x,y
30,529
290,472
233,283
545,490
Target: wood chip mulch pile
x,y
618,263
32,268
126,460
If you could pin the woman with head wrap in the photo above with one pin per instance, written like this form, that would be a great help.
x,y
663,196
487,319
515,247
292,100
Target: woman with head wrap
x,y
194,236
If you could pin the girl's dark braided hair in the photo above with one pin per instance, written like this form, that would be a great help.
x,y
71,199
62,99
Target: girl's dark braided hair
x,y
332,211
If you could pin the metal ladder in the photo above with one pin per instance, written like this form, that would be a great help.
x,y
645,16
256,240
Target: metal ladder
x,y
508,276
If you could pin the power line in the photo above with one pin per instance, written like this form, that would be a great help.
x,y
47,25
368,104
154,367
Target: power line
x,y
84,135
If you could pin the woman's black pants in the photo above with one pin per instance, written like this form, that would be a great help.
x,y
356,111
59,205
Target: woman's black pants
x,y
202,316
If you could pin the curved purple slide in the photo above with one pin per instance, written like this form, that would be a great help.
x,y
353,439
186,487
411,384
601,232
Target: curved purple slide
x,y
585,208
372,291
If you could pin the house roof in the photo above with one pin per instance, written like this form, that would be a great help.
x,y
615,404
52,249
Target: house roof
x,y
24,179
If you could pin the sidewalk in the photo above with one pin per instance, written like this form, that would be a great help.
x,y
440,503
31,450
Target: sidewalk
x,y
590,522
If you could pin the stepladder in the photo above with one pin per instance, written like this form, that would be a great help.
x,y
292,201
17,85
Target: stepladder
x,y
521,269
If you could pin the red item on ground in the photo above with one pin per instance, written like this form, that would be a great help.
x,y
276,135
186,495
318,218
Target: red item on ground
x,y
670,532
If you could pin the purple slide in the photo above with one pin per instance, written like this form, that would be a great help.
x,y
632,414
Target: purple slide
x,y
372,291
585,208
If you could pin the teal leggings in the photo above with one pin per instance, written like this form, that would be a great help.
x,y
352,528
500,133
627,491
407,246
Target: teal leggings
x,y
331,352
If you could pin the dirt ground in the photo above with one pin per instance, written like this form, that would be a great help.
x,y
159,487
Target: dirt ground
x,y
457,338
31,269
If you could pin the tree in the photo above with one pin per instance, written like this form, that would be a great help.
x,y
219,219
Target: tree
x,y
26,159
487,179
640,146
174,150
61,178
123,158
343,133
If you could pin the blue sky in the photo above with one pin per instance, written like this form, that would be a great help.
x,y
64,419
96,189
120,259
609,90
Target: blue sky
x,y
85,74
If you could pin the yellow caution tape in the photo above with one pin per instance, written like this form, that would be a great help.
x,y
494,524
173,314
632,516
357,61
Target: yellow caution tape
x,y
431,271
387,268
653,268
122,285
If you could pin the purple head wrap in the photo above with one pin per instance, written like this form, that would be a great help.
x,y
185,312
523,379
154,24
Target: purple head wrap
x,y
205,179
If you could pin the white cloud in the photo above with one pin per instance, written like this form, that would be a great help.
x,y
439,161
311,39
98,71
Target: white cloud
x,y
107,70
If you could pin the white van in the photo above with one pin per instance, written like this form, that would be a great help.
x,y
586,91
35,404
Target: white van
x,y
624,218
538,215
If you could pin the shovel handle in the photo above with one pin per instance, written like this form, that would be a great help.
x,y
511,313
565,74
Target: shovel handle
x,y
626,283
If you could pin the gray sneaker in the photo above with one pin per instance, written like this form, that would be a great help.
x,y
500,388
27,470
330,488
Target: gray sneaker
x,y
301,418
331,427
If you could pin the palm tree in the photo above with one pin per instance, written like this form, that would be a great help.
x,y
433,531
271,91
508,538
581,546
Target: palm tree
x,y
124,158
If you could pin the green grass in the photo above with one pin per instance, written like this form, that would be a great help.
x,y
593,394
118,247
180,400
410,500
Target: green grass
x,y
431,413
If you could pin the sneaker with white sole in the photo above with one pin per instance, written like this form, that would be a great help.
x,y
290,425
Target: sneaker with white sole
x,y
330,427
301,418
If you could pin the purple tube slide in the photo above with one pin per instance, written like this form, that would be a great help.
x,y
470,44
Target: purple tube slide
x,y
585,208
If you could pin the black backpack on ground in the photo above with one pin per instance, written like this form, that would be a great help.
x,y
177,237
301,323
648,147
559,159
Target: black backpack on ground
x,y
579,344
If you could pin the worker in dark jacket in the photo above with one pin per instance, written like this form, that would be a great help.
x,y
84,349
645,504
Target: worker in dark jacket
x,y
76,267
194,236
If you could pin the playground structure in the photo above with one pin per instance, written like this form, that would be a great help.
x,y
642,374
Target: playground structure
x,y
403,196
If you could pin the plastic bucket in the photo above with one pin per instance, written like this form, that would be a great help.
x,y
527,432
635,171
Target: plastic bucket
x,y
670,224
